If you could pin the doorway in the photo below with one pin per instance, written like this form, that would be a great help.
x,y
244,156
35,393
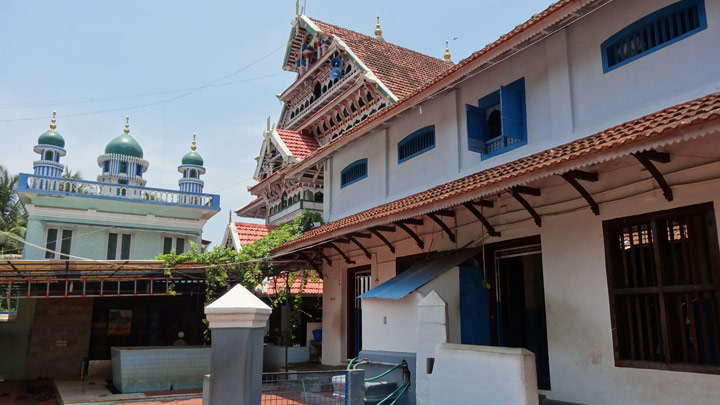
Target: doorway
x,y
358,283
520,302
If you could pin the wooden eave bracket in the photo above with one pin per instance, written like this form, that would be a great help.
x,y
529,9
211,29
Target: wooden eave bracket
x,y
337,249
376,231
572,178
358,244
471,207
517,192
646,158
322,254
412,221
442,224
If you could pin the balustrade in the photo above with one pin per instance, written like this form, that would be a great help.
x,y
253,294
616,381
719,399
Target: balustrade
x,y
28,182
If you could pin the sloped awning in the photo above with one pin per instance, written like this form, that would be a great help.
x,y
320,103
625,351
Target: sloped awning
x,y
420,274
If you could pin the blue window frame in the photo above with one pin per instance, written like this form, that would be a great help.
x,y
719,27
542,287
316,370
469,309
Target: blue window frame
x,y
499,122
138,170
353,172
416,143
653,32
106,167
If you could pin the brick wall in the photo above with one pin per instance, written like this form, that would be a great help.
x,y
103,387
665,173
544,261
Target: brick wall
x,y
60,337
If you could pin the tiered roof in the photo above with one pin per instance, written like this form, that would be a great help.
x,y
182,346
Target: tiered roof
x,y
402,70
300,145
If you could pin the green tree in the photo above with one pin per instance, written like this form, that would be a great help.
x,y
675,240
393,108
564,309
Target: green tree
x,y
250,265
13,218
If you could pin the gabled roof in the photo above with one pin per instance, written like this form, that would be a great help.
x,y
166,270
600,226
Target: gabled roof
x,y
276,286
300,145
400,69
641,131
251,206
540,25
249,233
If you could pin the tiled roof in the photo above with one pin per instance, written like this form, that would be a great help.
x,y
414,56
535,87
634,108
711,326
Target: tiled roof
x,y
358,130
248,205
276,286
299,145
249,233
402,70
650,127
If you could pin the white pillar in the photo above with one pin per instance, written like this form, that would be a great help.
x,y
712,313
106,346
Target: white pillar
x,y
237,321
432,331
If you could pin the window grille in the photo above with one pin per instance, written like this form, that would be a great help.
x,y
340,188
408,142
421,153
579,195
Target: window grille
x,y
416,143
353,172
663,275
653,32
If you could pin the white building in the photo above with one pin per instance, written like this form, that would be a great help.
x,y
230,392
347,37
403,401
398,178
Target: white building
x,y
579,154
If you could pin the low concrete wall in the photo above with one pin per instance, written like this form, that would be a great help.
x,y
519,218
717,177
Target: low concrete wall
x,y
274,356
485,374
142,369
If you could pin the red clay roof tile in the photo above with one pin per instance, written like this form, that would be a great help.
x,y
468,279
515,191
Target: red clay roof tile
x,y
402,70
249,233
300,145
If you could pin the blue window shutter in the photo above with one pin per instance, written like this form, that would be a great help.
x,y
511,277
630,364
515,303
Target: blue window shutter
x,y
512,111
475,128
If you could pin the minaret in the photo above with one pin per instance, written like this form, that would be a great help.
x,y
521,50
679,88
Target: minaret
x,y
191,168
50,147
122,162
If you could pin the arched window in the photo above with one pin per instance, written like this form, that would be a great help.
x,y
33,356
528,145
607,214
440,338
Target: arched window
x,y
193,174
318,197
317,90
48,155
354,172
308,195
123,167
416,143
283,200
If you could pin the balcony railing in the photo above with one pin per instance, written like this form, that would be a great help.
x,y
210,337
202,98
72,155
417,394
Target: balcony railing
x,y
306,205
71,187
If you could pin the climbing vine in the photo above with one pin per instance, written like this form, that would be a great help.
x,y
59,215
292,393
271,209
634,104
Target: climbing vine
x,y
248,266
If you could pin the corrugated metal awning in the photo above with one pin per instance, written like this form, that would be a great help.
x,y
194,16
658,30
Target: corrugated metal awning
x,y
420,274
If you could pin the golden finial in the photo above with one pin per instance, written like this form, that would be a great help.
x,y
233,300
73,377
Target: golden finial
x,y
127,124
378,30
52,122
193,147
447,52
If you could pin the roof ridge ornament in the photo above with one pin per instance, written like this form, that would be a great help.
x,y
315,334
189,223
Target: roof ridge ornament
x,y
378,30
447,55
127,125
52,121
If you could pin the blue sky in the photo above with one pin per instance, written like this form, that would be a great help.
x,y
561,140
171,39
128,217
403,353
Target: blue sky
x,y
95,62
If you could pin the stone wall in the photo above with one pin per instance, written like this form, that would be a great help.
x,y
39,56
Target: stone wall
x,y
60,337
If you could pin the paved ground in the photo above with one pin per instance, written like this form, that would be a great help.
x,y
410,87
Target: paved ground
x,y
33,392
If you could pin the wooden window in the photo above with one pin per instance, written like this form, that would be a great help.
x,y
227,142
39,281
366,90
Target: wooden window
x,y
353,172
663,274
118,243
653,32
499,122
416,143
168,245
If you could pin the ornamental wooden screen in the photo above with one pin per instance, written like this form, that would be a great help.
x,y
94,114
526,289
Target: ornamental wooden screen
x,y
664,285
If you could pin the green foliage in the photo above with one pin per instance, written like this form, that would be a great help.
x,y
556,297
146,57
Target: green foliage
x,y
246,266
13,218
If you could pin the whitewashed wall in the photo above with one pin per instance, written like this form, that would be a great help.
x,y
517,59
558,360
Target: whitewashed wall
x,y
567,97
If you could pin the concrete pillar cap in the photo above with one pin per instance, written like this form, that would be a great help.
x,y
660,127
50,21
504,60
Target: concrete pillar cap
x,y
238,308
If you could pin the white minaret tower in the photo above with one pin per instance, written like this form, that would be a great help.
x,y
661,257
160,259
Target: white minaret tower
x,y
191,169
50,147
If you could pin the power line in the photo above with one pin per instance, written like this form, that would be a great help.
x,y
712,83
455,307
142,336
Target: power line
x,y
212,83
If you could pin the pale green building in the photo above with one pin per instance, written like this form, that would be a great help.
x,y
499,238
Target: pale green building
x,y
116,217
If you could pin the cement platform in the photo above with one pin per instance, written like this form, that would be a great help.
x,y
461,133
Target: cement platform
x,y
97,392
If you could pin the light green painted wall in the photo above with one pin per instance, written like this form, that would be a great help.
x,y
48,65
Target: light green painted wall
x,y
14,338
90,241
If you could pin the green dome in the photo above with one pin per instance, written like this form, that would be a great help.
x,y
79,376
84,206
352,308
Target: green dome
x,y
192,158
51,137
124,145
